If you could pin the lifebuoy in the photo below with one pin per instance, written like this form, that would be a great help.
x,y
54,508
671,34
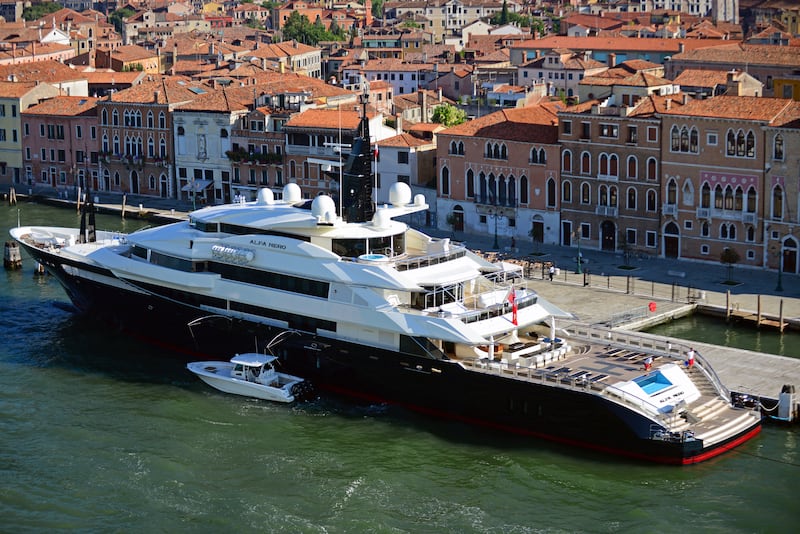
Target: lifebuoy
x,y
652,306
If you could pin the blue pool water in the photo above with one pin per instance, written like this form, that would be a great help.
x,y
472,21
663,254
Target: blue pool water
x,y
653,383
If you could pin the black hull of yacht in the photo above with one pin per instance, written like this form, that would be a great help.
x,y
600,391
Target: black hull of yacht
x,y
441,388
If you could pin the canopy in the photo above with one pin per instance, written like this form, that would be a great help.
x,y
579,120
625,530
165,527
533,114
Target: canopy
x,y
196,185
252,359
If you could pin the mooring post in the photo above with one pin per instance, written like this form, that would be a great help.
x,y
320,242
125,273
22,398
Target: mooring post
x,y
728,305
758,317
780,317
124,199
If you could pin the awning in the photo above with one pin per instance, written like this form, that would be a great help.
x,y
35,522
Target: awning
x,y
196,185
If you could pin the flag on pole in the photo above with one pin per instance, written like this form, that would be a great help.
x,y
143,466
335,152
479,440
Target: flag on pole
x,y
513,300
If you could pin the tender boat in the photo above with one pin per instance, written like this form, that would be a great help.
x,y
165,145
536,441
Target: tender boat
x,y
251,374
382,312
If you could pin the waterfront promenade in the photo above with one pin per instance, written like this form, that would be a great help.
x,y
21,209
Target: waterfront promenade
x,y
610,294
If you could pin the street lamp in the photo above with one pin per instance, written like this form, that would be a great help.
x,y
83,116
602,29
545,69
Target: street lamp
x,y
579,257
494,215
779,254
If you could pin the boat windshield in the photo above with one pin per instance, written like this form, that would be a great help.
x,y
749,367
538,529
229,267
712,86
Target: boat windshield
x,y
391,246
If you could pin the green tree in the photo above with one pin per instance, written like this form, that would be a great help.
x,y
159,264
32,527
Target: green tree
x,y
504,13
117,17
448,115
729,257
377,8
37,11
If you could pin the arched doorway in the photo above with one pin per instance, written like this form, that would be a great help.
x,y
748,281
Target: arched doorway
x,y
671,240
134,182
537,232
163,186
789,255
608,236
458,218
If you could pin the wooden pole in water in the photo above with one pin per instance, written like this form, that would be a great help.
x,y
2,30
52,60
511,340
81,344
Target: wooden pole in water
x,y
728,305
780,317
78,203
758,317
12,197
124,199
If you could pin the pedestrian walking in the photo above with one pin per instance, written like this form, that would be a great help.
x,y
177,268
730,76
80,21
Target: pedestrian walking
x,y
552,271
690,358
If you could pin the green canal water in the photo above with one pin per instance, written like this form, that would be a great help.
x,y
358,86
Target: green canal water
x,y
101,433
708,329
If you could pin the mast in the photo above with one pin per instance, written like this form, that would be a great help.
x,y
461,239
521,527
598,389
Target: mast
x,y
357,175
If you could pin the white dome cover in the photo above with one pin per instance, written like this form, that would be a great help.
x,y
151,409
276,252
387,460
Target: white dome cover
x,y
291,193
399,194
322,205
265,196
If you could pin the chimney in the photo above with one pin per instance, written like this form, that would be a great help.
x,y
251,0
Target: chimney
x,y
681,48
668,104
155,96
612,60
685,99
440,94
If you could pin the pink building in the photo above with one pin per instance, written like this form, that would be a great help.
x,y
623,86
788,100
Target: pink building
x,y
60,144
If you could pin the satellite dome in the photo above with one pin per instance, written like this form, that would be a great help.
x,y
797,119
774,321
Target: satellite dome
x,y
321,205
399,194
291,193
265,196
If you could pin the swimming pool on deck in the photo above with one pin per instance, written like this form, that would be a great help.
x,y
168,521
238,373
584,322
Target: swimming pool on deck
x,y
653,383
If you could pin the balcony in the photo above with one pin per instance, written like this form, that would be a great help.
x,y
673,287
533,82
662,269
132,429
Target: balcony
x,y
488,200
670,209
606,211
703,213
260,158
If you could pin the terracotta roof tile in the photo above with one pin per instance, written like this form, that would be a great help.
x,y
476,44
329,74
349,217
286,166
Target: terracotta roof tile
x,y
64,106
534,124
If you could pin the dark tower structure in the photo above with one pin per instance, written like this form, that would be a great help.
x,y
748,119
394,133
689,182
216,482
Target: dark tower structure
x,y
357,173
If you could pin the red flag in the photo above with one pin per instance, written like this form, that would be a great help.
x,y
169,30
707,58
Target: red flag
x,y
513,300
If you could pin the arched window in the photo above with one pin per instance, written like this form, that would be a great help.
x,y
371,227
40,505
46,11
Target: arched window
x,y
652,169
445,181
551,193
104,117
162,148
751,233
105,143
751,200
603,196
777,202
137,118
115,118
723,231
633,171
566,161
534,157
292,169
501,190
651,200
566,191
730,143
524,197
738,199
675,139
613,166
150,120
306,170
483,188
603,165
694,143
586,194
586,163
750,145
496,151
460,148
672,192
470,184
684,139
151,182
777,150
151,147
511,186
705,230
116,145
223,133
631,204
492,189
728,197
740,144
542,156
613,201
718,197
162,120
453,147
503,151
705,196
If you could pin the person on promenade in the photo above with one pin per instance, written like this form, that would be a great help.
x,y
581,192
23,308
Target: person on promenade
x,y
690,358
552,271
648,363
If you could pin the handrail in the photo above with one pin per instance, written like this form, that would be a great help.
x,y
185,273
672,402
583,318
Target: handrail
x,y
613,393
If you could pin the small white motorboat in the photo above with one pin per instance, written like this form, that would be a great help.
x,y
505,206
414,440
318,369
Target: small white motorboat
x,y
252,375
